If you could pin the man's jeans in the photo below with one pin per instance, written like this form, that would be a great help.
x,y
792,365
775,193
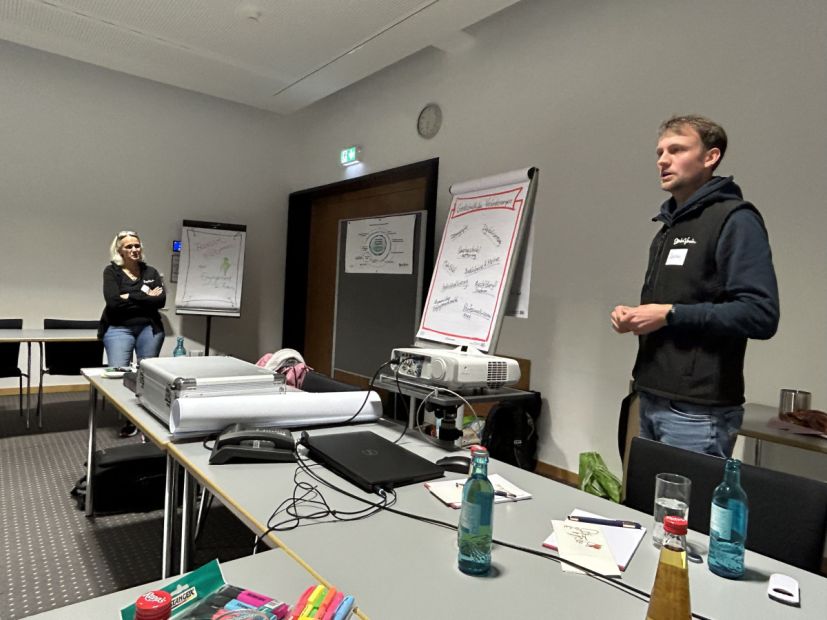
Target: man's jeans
x,y
120,342
700,428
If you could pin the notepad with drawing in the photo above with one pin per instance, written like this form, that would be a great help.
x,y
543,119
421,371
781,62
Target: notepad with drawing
x,y
450,491
622,541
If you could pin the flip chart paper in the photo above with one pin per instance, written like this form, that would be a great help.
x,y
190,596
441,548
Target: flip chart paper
x,y
478,245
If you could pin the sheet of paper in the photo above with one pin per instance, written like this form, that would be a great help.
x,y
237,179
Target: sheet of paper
x,y
380,245
450,491
585,545
623,542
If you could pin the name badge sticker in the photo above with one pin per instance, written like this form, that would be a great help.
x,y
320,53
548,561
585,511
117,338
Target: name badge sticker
x,y
677,256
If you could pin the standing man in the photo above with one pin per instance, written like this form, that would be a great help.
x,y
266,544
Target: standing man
x,y
709,285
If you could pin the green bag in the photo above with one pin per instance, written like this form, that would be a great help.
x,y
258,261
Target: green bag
x,y
595,477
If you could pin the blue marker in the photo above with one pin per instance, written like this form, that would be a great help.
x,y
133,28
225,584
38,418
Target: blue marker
x,y
344,608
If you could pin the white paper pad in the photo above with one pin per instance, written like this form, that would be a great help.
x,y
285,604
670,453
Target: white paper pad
x,y
623,541
585,545
450,491
201,415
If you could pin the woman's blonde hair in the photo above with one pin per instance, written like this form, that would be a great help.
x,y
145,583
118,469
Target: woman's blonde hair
x,y
114,249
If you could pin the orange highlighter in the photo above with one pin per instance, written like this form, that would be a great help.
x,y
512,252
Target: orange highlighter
x,y
328,599
332,607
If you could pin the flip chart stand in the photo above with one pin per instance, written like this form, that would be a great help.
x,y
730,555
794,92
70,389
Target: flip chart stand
x,y
211,271
207,339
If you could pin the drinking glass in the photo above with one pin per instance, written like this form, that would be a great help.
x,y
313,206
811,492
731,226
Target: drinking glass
x,y
671,500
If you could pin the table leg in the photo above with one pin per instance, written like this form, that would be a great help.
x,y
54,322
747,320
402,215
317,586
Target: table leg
x,y
758,450
40,391
186,522
29,384
169,514
411,412
90,455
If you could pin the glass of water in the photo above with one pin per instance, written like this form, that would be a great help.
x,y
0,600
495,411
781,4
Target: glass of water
x,y
671,500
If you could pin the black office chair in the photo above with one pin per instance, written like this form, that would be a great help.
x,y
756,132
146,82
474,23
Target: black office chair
x,y
10,358
67,358
796,537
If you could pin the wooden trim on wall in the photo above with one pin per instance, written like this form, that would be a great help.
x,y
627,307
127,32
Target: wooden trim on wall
x,y
47,389
557,473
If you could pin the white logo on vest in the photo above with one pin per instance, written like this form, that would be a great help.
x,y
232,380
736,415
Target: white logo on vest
x,y
684,241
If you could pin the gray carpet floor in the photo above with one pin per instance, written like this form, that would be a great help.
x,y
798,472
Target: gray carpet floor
x,y
51,555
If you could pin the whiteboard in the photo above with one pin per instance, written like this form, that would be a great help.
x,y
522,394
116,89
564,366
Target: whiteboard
x,y
482,239
211,269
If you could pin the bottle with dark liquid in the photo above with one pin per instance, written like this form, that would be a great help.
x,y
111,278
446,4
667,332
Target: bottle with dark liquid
x,y
670,594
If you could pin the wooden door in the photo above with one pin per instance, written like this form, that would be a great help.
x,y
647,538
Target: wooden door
x,y
314,218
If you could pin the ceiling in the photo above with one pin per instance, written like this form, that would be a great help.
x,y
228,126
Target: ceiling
x,y
277,55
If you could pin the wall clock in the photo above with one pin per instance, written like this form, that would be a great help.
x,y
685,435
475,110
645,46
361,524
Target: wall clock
x,y
429,121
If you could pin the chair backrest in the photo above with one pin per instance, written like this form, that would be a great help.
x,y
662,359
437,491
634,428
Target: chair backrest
x,y
10,351
67,358
649,458
787,513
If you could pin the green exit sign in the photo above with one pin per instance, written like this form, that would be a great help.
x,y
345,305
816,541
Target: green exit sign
x,y
350,155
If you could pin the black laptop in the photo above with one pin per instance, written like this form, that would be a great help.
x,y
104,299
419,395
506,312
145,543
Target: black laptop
x,y
369,461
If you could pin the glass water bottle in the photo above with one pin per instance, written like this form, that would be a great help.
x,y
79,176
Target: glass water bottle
x,y
728,524
476,519
670,594
179,348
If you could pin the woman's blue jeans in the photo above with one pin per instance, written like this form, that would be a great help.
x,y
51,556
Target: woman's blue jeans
x,y
120,342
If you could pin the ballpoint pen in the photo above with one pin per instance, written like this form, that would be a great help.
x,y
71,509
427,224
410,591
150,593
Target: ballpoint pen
x,y
611,522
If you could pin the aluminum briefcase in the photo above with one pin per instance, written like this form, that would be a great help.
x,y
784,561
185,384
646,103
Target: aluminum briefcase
x,y
163,379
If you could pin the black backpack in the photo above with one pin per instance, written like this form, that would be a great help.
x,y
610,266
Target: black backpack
x,y
129,478
510,431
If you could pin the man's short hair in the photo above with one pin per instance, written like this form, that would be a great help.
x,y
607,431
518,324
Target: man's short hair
x,y
711,133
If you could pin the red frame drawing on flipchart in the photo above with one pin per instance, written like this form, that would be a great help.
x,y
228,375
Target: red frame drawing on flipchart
x,y
516,205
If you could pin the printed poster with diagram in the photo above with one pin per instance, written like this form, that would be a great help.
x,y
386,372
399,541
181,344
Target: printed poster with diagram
x,y
472,275
380,245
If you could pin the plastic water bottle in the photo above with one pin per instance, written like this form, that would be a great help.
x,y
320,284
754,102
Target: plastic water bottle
x,y
476,518
728,524
670,594
179,348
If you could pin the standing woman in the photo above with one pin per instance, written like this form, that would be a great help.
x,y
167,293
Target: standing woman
x,y
134,292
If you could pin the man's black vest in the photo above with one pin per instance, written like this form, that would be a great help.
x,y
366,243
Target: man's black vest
x,y
690,365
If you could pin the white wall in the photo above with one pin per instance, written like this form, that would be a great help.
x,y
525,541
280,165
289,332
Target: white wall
x,y
578,88
575,87
87,152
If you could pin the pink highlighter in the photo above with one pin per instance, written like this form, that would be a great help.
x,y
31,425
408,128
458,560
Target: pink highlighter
x,y
254,599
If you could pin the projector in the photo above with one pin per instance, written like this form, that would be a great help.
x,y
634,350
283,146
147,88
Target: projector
x,y
454,368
